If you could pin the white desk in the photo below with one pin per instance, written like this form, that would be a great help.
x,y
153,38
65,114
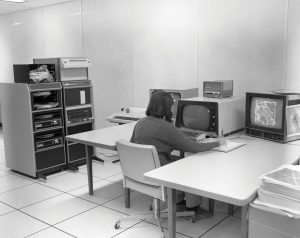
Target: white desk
x,y
105,138
229,177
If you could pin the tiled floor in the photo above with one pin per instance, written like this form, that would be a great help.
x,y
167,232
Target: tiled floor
x,y
62,208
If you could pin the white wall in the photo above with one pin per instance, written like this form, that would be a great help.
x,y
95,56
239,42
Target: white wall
x,y
164,46
293,46
108,43
6,49
242,41
135,45
28,36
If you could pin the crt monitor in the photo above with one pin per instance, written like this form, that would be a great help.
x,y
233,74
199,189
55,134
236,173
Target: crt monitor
x,y
273,116
191,114
266,112
212,116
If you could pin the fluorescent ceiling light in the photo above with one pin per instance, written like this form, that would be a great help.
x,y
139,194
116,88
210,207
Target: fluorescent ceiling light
x,y
16,1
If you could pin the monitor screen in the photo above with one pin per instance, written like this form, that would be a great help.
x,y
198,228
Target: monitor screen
x,y
196,117
293,120
266,112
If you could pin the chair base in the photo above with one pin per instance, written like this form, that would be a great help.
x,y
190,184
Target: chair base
x,y
190,214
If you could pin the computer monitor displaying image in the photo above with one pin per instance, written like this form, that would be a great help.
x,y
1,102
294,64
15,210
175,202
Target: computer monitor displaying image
x,y
266,112
273,116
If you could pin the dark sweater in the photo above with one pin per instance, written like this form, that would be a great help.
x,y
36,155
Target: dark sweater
x,y
166,138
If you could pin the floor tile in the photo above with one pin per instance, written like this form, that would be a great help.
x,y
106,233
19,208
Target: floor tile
x,y
103,170
58,208
139,204
229,228
4,173
16,224
203,224
24,176
50,233
104,191
238,212
98,222
11,181
5,209
67,181
117,178
147,229
58,174
27,195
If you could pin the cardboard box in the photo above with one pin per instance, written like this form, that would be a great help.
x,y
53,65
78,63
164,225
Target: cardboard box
x,y
268,224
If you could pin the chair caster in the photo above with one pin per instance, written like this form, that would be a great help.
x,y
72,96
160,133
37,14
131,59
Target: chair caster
x,y
117,225
193,219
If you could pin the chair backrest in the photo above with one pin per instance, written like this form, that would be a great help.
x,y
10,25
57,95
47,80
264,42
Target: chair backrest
x,y
137,159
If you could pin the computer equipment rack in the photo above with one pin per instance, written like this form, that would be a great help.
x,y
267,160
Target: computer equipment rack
x,y
33,128
72,72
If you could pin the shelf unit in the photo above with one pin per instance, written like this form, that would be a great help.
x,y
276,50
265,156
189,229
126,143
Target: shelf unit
x,y
79,117
33,120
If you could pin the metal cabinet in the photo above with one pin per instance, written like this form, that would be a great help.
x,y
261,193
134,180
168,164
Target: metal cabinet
x,y
79,116
33,127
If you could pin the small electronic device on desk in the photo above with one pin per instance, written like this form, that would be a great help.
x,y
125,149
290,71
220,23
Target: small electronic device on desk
x,y
127,115
218,89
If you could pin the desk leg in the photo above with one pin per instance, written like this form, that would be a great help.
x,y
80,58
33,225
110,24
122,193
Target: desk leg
x,y
172,212
244,222
89,168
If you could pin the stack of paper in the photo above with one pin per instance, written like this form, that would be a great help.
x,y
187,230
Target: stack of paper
x,y
280,189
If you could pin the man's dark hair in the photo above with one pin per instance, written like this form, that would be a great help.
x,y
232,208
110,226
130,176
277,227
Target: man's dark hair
x,y
160,105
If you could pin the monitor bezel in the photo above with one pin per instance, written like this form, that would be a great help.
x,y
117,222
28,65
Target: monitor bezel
x,y
248,123
213,120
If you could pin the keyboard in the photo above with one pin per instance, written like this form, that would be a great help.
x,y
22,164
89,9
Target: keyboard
x,y
126,118
229,146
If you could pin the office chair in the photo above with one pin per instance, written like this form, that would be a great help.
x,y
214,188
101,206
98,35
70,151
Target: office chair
x,y
137,159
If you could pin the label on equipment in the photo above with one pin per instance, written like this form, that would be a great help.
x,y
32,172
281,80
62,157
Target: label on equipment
x,y
82,97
